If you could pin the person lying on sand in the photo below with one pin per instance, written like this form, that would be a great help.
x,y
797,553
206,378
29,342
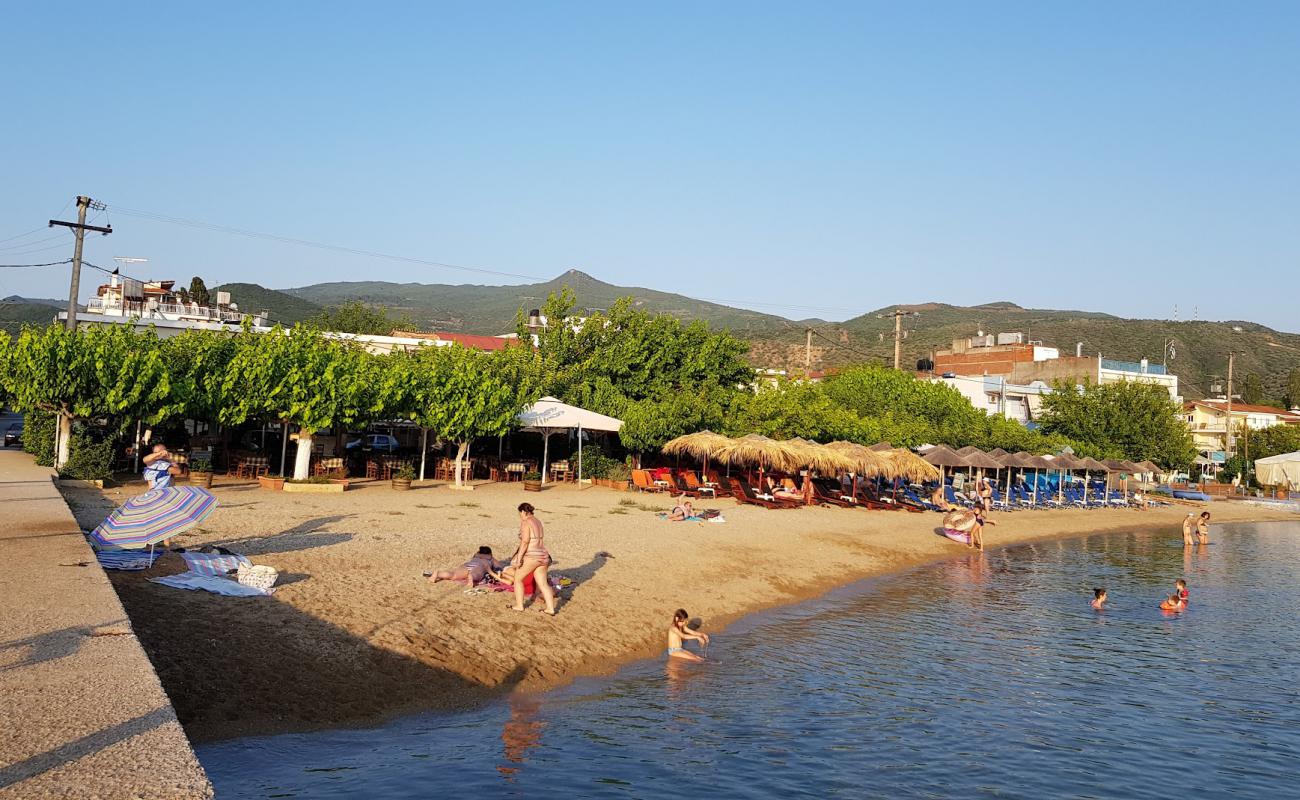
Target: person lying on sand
x,y
678,633
472,571
681,512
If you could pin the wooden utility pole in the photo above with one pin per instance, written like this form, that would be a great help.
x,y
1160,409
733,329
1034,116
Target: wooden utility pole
x,y
898,315
807,352
1227,445
79,229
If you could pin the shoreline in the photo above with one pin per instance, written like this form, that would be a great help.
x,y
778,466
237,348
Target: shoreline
x,y
354,637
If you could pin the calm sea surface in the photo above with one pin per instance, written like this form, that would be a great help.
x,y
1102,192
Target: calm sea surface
x,y
985,675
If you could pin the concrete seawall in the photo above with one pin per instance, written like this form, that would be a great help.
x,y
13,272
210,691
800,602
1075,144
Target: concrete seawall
x,y
82,713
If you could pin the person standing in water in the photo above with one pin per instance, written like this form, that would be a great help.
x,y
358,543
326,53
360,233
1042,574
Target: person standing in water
x,y
678,633
532,558
1099,599
1203,528
1189,526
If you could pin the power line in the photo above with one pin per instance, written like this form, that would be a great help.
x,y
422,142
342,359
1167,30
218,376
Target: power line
x,y
318,245
24,266
201,225
33,243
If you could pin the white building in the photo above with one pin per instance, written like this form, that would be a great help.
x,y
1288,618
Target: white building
x,y
995,395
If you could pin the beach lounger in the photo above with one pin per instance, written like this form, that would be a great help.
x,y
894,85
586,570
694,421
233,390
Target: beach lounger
x,y
684,488
916,500
744,493
828,491
869,498
642,481
691,482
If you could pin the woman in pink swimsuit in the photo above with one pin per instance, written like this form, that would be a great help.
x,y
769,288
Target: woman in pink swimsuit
x,y
533,559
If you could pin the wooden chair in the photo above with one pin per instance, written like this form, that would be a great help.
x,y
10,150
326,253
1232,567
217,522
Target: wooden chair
x,y
744,493
333,467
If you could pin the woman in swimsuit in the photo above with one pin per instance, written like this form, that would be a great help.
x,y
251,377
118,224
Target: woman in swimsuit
x,y
1189,524
678,633
1203,528
681,512
472,571
531,558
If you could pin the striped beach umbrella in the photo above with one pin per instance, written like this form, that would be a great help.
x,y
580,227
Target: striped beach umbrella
x,y
155,515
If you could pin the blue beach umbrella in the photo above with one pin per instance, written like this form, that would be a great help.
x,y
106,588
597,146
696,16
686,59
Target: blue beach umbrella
x,y
156,515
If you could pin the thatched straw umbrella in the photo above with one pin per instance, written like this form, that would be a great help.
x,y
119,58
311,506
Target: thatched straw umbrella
x,y
1065,463
1092,465
765,452
866,461
701,444
1038,464
910,466
981,460
821,458
882,447
944,458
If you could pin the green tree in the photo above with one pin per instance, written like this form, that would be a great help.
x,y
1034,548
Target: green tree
x,y
647,424
199,291
1293,389
357,317
301,377
460,394
196,363
97,371
624,356
1133,420
1252,390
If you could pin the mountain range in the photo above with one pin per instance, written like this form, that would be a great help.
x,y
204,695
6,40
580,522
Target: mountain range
x,y
1264,358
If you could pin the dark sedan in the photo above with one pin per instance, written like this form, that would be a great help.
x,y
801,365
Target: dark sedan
x,y
14,435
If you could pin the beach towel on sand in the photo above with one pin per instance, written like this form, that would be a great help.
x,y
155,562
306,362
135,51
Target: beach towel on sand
x,y
127,560
211,583
218,563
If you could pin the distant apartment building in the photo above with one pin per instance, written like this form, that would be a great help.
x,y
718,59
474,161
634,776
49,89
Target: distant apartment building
x,y
1024,363
995,395
1208,421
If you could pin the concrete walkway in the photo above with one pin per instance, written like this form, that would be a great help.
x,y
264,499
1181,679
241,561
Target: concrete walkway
x,y
82,713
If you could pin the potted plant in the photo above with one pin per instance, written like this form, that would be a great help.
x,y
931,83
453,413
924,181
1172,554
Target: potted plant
x,y
271,482
201,473
619,476
403,477
533,482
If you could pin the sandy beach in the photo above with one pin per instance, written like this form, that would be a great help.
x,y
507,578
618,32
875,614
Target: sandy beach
x,y
355,634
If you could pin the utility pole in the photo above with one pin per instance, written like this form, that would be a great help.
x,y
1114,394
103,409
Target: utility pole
x,y
898,315
807,352
1227,446
79,229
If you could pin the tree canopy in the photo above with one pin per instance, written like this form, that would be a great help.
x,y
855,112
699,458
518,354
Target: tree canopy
x,y
1138,421
357,317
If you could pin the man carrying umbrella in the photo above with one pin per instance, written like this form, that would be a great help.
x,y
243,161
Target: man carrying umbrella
x,y
160,467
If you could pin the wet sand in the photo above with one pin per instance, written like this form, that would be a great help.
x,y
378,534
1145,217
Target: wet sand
x,y
354,634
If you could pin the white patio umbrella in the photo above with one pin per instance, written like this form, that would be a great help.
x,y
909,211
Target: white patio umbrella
x,y
549,415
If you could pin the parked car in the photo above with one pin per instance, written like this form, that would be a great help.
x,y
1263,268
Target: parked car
x,y
14,435
375,442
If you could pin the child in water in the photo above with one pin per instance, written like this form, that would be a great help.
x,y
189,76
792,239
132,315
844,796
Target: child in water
x,y
1173,603
678,633
1099,599
1181,586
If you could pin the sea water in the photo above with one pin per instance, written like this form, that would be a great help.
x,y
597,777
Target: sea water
x,y
987,674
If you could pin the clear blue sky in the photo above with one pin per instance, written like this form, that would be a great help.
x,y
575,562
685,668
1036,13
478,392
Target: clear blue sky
x,y
1123,157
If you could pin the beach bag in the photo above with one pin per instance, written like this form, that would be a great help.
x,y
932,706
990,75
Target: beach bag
x,y
258,576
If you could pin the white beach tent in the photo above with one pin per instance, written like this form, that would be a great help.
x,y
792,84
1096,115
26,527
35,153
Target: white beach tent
x,y
1282,471
549,415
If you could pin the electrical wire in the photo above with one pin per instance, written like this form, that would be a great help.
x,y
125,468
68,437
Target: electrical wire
x,y
25,266
21,245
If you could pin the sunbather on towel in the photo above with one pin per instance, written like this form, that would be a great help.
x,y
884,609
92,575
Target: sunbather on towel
x,y
781,491
681,512
471,572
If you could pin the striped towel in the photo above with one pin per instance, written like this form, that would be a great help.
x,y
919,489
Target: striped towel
x,y
128,559
211,583
214,563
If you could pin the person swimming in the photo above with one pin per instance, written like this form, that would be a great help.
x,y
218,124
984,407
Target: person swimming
x,y
678,633
1099,599
1172,603
1181,586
